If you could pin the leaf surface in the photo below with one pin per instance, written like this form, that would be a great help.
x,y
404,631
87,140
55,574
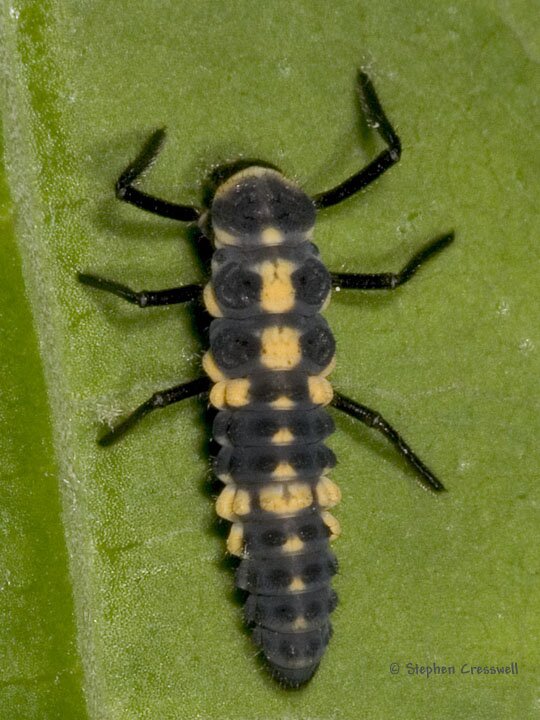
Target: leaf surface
x,y
116,597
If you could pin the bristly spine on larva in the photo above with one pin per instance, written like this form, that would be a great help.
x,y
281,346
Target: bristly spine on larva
x,y
270,352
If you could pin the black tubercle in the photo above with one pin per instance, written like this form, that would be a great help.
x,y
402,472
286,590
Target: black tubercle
x,y
236,287
312,282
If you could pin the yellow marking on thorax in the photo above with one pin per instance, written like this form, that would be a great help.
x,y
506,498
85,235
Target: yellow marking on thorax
x,y
297,585
332,524
282,437
285,499
284,470
235,541
210,301
283,402
300,623
271,236
320,390
223,239
230,393
277,294
280,348
293,544
327,492
217,395
252,171
211,369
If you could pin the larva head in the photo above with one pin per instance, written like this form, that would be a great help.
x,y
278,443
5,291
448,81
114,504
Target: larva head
x,y
258,207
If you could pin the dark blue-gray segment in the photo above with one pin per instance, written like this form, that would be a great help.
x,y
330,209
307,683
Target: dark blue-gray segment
x,y
265,535
237,281
238,345
260,198
258,429
256,464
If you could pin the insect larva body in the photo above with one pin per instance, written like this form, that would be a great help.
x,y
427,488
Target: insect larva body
x,y
270,354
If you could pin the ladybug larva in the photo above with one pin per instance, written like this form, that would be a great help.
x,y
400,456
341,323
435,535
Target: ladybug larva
x,y
267,367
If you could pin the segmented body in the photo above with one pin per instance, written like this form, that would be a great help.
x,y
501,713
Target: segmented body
x,y
270,353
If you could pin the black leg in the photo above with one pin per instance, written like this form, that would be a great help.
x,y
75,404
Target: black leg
x,y
158,400
125,190
374,420
377,120
389,281
144,298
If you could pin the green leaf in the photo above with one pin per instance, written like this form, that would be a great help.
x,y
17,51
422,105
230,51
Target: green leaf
x,y
40,673
116,598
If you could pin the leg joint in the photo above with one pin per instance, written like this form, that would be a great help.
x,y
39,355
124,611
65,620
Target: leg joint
x,y
395,151
158,400
121,189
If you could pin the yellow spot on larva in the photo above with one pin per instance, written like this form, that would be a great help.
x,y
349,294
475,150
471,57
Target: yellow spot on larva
x,y
224,503
300,623
285,499
223,238
235,541
300,495
297,585
327,492
271,498
241,504
230,393
232,502
293,544
284,470
332,524
283,402
271,236
210,301
217,395
211,369
226,478
280,348
237,392
252,171
282,437
277,294
320,390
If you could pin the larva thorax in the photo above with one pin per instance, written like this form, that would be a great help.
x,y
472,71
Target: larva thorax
x,y
270,353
